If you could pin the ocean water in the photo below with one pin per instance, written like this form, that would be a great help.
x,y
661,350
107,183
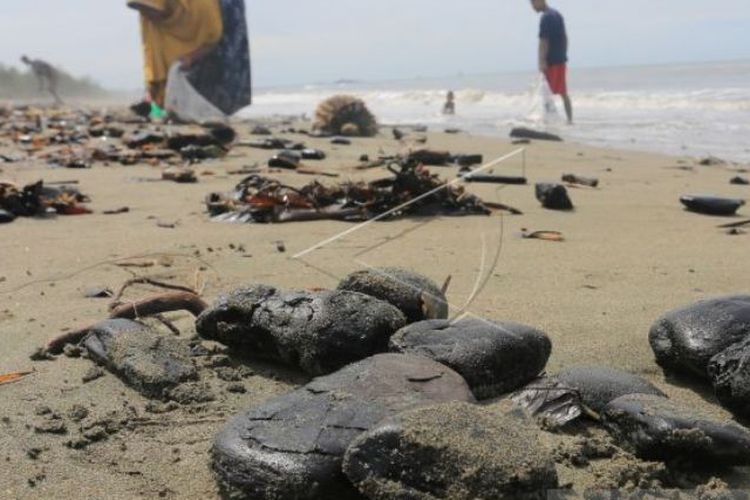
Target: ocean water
x,y
694,110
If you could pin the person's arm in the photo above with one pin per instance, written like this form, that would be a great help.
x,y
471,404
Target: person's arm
x,y
543,53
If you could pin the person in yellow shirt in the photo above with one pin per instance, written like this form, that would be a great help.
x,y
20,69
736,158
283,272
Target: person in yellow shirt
x,y
173,31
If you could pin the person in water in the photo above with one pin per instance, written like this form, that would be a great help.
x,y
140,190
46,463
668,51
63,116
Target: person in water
x,y
450,104
553,52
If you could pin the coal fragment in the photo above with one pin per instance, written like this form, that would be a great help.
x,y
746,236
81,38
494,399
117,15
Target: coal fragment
x,y
493,357
150,363
654,428
684,340
553,196
598,385
526,133
740,181
711,205
417,296
452,450
293,445
729,372
6,217
318,332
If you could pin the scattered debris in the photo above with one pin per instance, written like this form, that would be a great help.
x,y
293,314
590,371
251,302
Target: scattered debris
x,y
345,115
543,235
740,181
37,199
260,199
495,179
13,377
580,180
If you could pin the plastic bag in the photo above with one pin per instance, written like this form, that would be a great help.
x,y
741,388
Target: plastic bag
x,y
543,108
186,102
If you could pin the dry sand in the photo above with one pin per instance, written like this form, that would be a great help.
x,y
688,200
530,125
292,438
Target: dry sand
x,y
631,253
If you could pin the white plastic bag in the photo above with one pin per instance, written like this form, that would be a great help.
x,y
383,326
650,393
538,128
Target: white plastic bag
x,y
543,107
185,102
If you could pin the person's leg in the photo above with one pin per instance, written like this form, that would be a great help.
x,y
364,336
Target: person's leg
x,y
568,107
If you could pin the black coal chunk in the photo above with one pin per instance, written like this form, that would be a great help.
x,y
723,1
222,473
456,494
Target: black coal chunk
x,y
729,372
654,428
526,133
553,196
493,357
318,332
6,217
711,205
417,296
293,446
598,385
684,340
451,450
150,363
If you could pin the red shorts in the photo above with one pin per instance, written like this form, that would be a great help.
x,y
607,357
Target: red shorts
x,y
556,76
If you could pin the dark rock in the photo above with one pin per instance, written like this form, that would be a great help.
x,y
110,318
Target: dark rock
x,y
341,141
740,181
292,446
143,359
6,217
453,450
260,130
319,332
553,196
711,205
285,159
598,385
654,428
580,180
685,340
494,358
313,154
417,296
729,372
430,157
526,133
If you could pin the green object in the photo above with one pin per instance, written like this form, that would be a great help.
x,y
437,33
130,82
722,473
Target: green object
x,y
157,112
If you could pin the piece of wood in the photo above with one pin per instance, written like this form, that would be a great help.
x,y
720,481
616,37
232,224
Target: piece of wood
x,y
13,377
168,302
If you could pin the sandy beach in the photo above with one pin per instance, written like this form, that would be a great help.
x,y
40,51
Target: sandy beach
x,y
631,253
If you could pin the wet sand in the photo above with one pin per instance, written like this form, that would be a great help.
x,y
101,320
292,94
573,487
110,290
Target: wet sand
x,y
630,253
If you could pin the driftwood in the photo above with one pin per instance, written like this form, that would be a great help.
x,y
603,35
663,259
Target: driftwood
x,y
153,306
503,206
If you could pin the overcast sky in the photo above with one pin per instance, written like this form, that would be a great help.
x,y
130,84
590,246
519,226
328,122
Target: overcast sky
x,y
305,41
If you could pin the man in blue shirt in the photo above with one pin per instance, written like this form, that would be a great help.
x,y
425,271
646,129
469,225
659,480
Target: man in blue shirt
x,y
553,52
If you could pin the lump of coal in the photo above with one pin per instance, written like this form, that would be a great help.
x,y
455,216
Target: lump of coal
x,y
598,385
729,372
293,445
654,428
494,358
452,450
740,181
319,332
711,205
6,217
525,133
150,363
684,340
553,196
417,296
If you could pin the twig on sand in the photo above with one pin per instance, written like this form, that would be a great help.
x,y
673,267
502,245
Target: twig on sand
x,y
13,377
143,280
168,302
